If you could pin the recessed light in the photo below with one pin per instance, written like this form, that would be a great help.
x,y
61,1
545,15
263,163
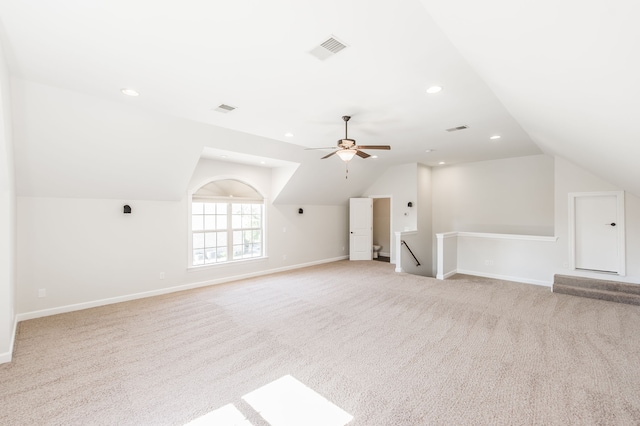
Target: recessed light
x,y
441,163
495,137
434,89
288,135
374,156
223,156
262,162
129,92
429,150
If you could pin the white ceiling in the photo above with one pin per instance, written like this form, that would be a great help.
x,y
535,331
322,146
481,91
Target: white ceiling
x,y
558,78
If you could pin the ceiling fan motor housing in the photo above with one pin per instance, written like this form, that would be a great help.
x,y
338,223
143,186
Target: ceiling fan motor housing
x,y
346,143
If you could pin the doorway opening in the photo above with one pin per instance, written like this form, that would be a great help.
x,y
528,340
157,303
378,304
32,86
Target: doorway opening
x,y
382,230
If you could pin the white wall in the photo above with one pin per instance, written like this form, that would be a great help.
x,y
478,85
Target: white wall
x,y
510,257
422,241
509,196
7,218
86,251
571,178
401,184
409,183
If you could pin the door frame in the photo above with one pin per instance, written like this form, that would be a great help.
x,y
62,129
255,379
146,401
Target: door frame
x,y
620,227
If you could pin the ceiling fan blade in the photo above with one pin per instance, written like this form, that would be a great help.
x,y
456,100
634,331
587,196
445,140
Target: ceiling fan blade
x,y
362,154
324,147
328,155
373,147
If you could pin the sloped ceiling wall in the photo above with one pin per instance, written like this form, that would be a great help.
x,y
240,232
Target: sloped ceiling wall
x,y
567,72
154,154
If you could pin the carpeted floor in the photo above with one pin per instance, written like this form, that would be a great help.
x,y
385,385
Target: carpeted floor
x,y
387,348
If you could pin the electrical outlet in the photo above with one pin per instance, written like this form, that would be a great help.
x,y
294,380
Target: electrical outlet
x,y
284,257
284,229
342,248
42,292
162,275
488,262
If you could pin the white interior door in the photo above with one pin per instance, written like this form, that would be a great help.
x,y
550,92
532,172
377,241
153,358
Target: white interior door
x,y
599,229
360,228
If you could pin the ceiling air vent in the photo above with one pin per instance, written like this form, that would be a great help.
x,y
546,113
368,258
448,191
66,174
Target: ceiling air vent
x,y
224,108
327,48
455,129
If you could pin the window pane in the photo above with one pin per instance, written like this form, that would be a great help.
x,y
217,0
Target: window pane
x,y
198,240
236,221
210,239
209,208
222,254
236,208
256,236
197,208
198,257
209,221
246,208
246,221
255,221
237,252
256,209
197,222
221,222
211,256
237,238
221,208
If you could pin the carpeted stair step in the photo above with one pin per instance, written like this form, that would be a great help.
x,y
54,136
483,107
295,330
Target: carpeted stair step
x,y
612,291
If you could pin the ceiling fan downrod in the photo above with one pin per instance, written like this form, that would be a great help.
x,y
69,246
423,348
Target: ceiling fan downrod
x,y
346,119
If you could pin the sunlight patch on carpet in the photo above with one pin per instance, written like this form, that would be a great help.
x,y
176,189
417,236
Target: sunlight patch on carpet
x,y
227,415
288,402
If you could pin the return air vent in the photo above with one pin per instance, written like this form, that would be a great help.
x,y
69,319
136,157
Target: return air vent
x,y
327,48
455,129
224,108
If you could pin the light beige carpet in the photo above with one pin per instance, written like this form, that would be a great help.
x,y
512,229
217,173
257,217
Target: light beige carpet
x,y
387,348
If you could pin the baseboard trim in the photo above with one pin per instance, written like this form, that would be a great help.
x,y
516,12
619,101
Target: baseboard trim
x,y
109,301
447,275
8,356
506,278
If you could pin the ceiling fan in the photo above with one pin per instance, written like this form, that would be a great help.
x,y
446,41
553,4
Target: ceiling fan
x,y
347,148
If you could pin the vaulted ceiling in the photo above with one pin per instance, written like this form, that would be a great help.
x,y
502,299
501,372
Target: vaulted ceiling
x,y
545,76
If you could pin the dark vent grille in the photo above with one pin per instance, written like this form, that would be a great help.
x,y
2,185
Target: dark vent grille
x,y
328,48
455,129
224,108
333,45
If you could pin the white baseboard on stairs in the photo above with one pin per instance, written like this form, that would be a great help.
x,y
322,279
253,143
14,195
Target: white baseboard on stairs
x,y
506,278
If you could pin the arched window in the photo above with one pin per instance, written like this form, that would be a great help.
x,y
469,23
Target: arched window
x,y
227,223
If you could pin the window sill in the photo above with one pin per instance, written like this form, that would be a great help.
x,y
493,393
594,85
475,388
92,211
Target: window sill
x,y
230,263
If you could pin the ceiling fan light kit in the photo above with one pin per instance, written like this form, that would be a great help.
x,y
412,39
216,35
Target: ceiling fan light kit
x,y
346,154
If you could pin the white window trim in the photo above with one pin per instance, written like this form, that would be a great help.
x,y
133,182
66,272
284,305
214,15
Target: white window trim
x,y
191,192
